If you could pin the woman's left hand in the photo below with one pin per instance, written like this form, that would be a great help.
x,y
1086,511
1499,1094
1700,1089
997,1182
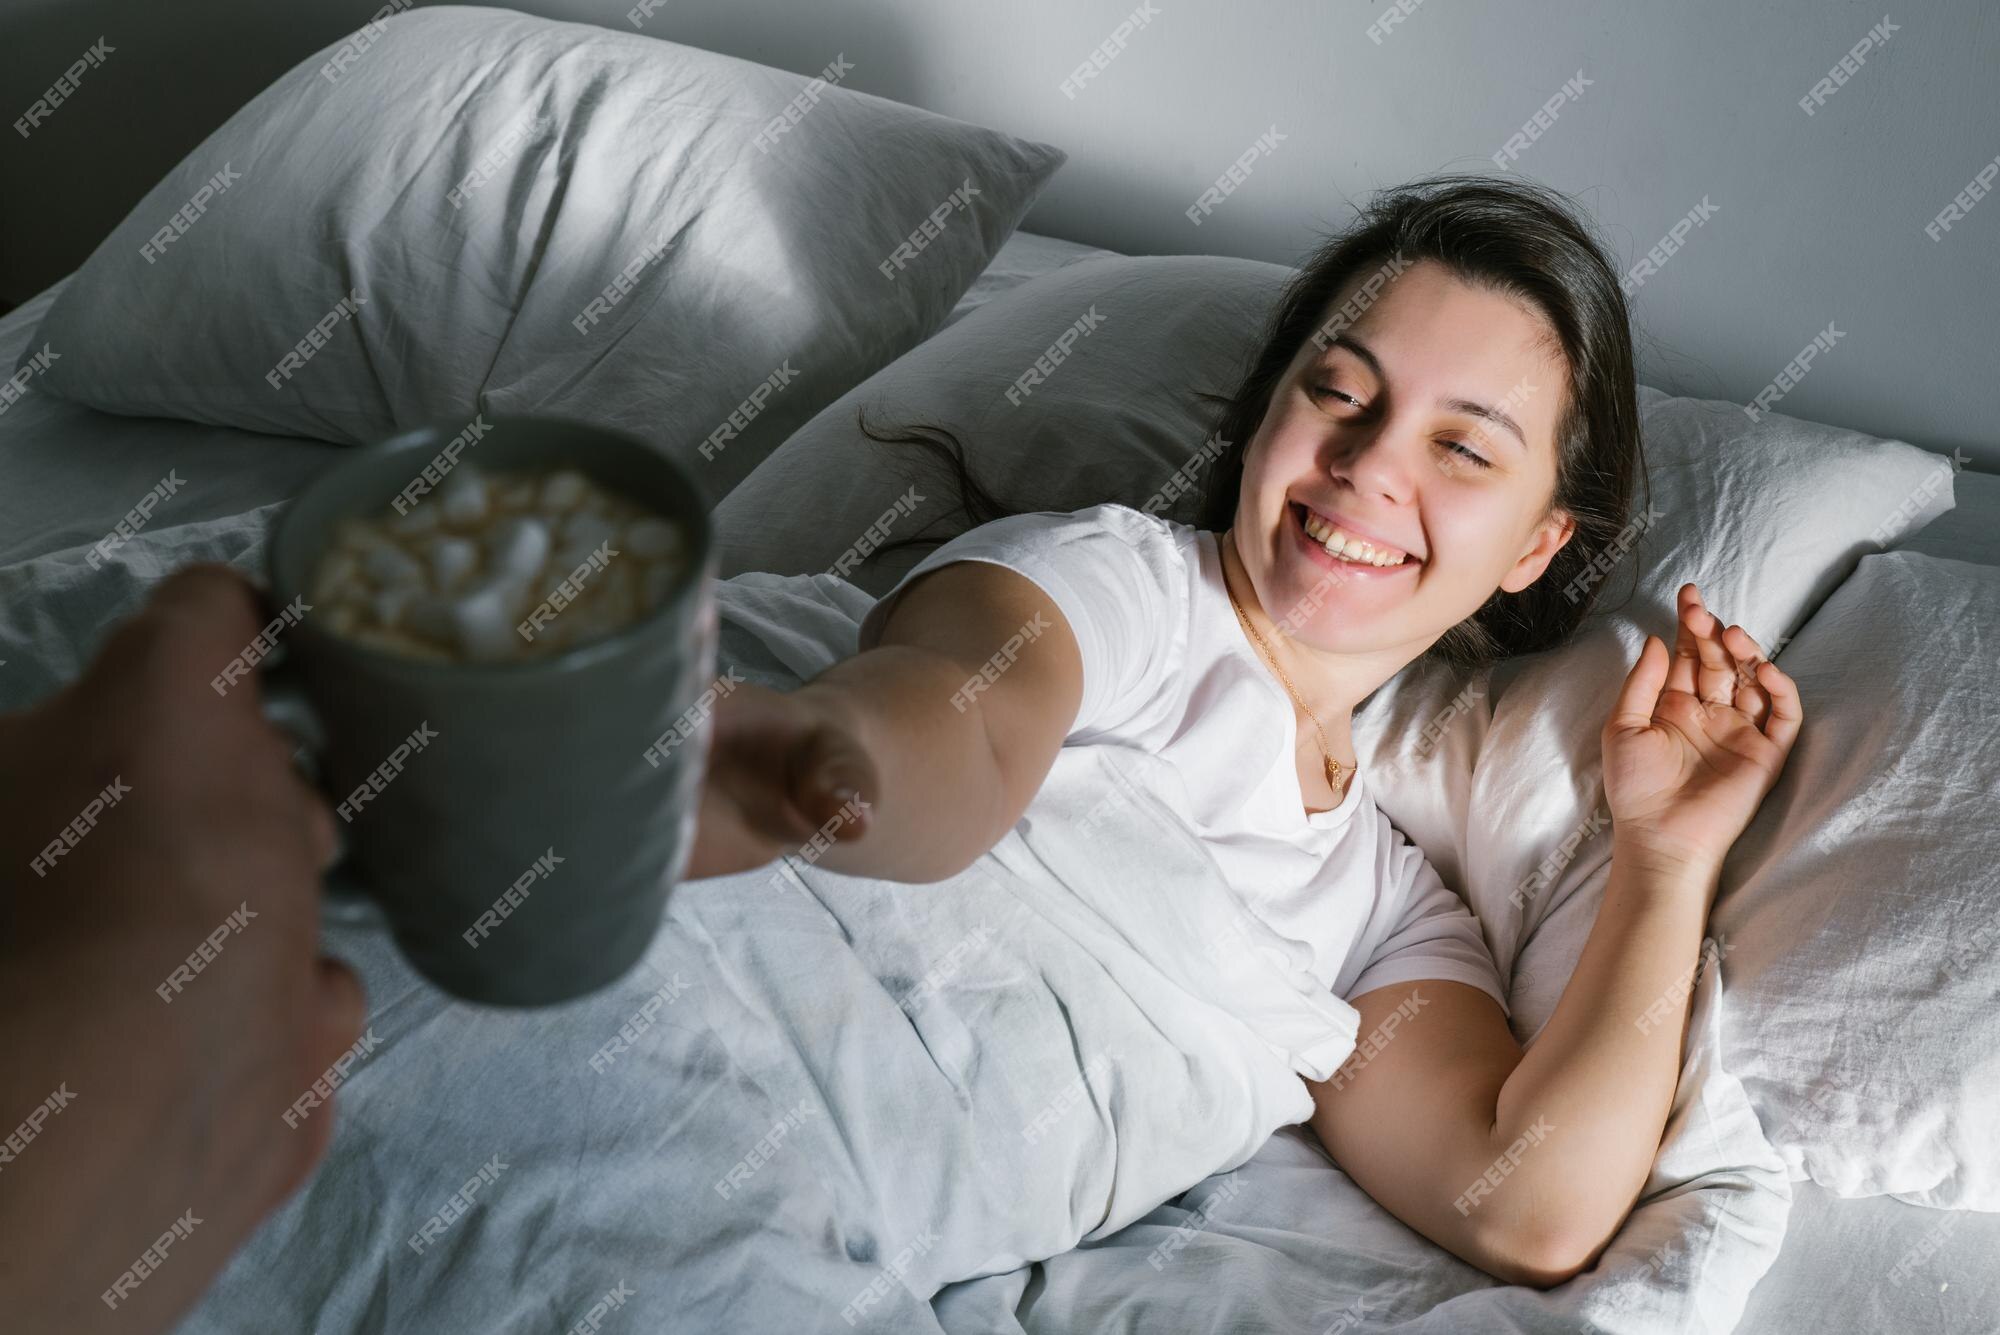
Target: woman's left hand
x,y
1686,767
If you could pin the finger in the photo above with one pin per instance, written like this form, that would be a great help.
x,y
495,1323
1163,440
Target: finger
x,y
1716,677
1745,645
779,803
833,777
210,599
1750,697
343,1006
192,624
322,835
1640,695
754,809
1786,711
1681,672
337,1009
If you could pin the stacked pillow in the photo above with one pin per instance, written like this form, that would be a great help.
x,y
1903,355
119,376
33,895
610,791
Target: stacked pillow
x,y
463,209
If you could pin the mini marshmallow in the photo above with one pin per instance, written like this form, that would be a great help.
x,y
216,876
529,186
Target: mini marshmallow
x,y
482,620
339,577
451,560
463,497
514,493
357,539
518,546
564,489
586,524
390,565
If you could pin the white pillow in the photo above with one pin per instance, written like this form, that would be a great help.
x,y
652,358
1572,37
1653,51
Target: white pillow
x,y
1861,909
1499,775
477,209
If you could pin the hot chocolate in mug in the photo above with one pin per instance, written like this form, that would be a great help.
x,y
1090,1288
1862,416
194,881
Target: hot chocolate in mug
x,y
516,824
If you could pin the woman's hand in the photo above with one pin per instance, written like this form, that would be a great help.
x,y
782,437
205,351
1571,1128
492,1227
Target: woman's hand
x,y
1686,767
781,766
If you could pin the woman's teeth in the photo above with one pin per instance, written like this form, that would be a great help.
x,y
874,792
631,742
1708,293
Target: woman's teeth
x,y
1339,543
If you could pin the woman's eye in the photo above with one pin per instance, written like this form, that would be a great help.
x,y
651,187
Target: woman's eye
x,y
1472,456
1475,458
1320,391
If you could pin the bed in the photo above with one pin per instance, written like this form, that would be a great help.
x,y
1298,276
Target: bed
x,y
1272,1236
68,473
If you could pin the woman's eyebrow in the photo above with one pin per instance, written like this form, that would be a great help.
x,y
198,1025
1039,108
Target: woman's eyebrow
x,y
1470,407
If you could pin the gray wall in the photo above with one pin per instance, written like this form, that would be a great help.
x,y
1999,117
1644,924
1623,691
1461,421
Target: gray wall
x,y
1817,218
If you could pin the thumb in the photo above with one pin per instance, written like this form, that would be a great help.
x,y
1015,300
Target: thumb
x,y
1640,695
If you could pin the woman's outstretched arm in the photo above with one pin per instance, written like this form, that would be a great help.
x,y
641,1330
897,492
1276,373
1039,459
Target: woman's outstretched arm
x,y
914,756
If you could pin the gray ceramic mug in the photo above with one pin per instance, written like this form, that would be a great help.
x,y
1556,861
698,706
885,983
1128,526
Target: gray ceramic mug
x,y
517,824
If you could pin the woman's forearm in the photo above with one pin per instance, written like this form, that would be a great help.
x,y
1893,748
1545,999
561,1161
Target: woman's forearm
x,y
943,799
1579,1120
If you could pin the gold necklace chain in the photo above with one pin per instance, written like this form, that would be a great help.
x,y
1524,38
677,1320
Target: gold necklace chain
x,y
1334,768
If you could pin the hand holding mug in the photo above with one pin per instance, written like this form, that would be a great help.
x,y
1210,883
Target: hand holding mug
x,y
161,987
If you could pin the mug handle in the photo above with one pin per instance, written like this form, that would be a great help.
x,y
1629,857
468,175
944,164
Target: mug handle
x,y
286,704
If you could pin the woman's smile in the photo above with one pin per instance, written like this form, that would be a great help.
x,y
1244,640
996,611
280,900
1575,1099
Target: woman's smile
x,y
1314,550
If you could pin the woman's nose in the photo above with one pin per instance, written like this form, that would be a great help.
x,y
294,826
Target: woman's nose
x,y
1378,462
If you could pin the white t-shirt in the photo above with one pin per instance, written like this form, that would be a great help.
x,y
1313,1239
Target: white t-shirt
x,y
1167,669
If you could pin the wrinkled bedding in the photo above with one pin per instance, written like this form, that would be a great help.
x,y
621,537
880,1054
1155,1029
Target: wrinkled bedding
x,y
821,1097
591,1169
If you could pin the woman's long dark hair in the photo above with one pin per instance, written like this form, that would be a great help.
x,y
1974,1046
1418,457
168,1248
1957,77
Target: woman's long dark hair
x,y
1506,235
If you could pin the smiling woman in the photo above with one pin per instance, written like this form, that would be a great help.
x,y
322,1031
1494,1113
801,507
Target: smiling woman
x,y
1438,433
1476,315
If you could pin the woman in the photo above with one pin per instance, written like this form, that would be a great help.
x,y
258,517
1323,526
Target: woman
x,y
1439,435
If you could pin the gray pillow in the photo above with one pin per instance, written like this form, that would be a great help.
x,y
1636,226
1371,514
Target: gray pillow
x,y
463,209
1073,389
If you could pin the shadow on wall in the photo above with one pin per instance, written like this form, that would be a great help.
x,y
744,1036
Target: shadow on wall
x,y
156,80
